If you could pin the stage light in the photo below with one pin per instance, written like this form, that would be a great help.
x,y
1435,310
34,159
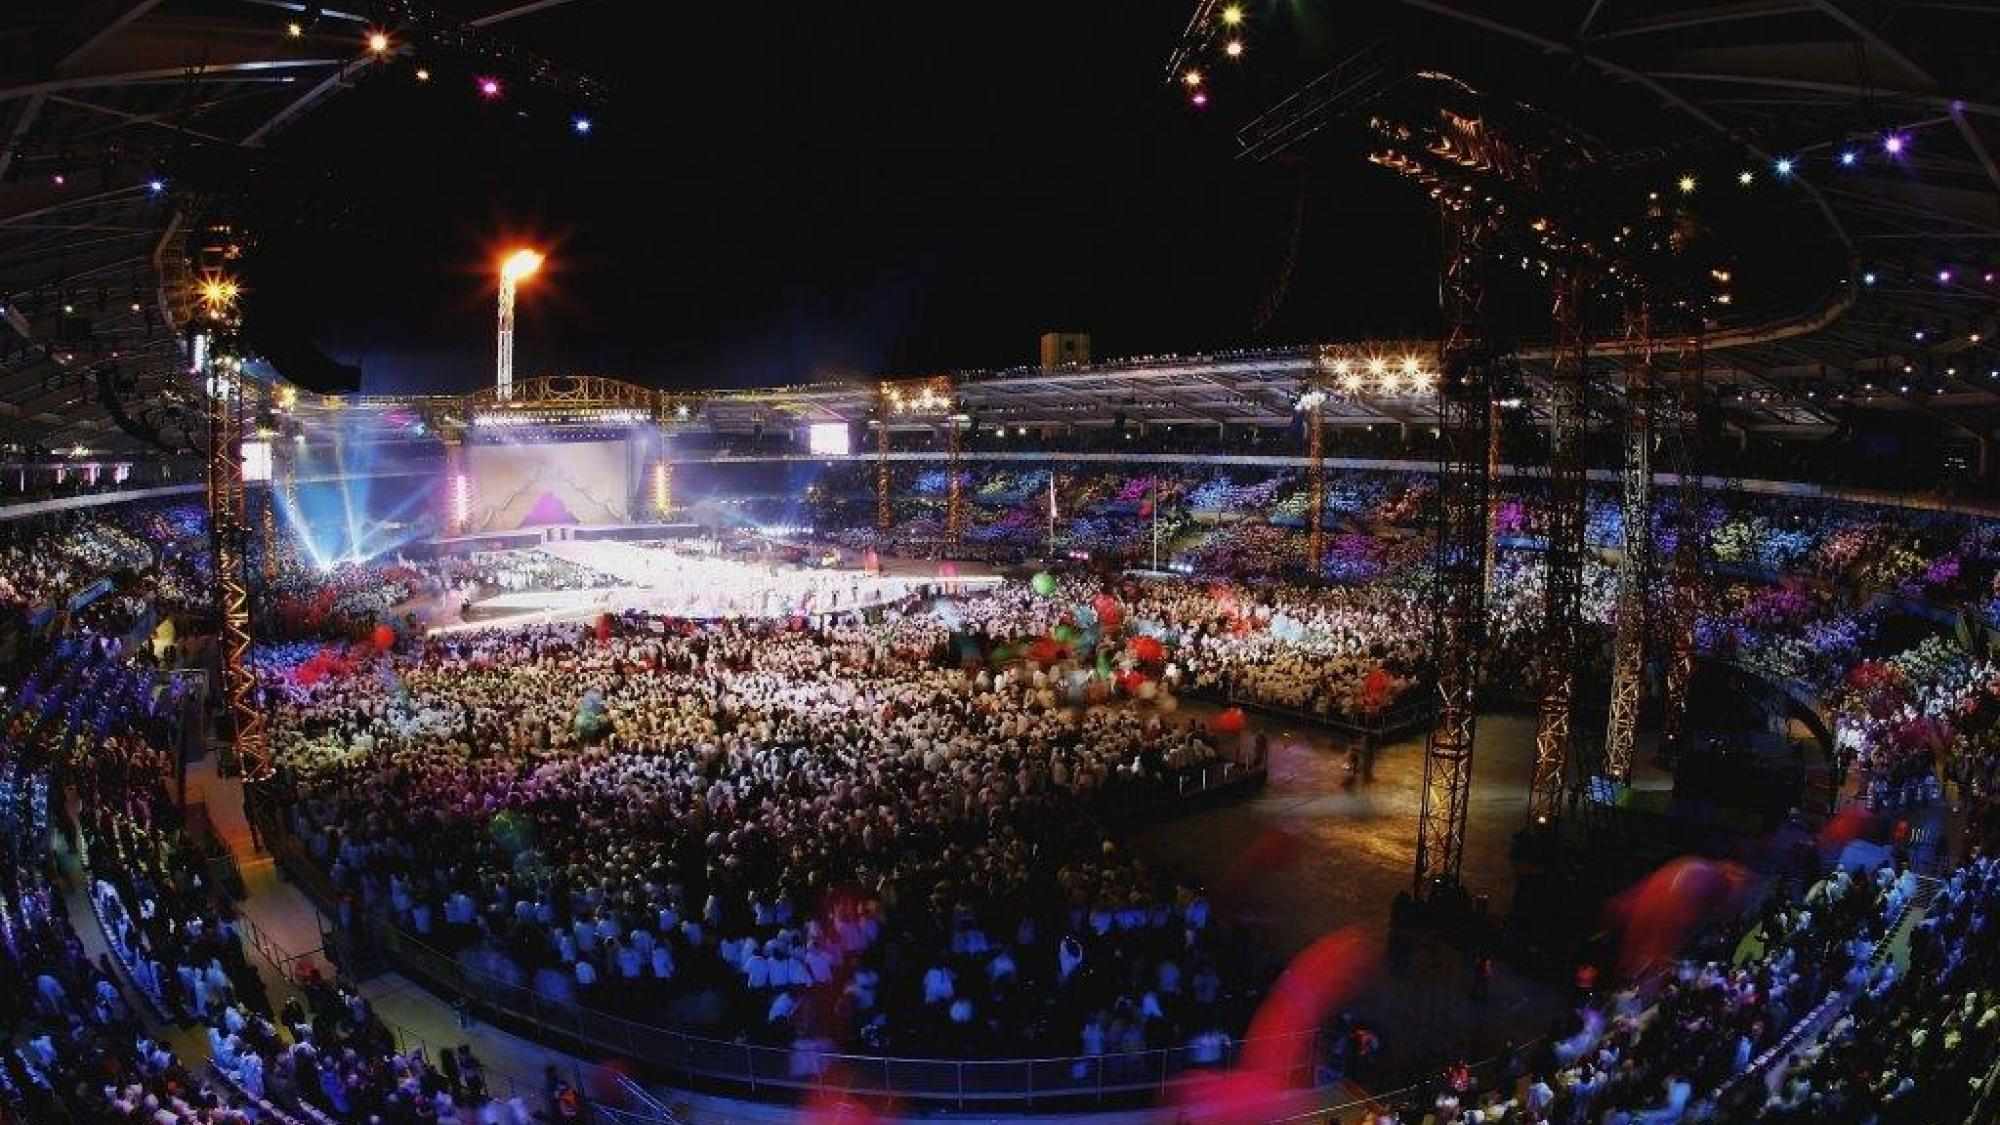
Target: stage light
x,y
1377,365
1192,78
489,87
378,42
1234,48
580,124
1200,99
58,179
1944,277
69,310
1744,177
423,74
1687,185
295,30
1848,158
156,186
1784,166
218,291
1409,365
1232,15
1868,278
520,265
1893,144
135,306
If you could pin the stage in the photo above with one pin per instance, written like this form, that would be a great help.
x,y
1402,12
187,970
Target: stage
x,y
673,580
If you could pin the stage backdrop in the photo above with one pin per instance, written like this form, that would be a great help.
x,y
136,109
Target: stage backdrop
x,y
516,486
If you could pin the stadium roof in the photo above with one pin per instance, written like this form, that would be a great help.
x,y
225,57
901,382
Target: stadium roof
x,y
103,100
118,120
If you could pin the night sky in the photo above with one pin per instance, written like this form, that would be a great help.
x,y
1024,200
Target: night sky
x,y
779,194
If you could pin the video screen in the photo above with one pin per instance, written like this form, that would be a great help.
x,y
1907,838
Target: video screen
x,y
256,460
517,486
829,439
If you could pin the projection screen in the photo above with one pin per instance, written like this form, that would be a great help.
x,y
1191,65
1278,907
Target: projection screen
x,y
516,486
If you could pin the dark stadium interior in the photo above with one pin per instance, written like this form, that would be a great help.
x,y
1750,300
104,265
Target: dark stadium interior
x,y
1419,562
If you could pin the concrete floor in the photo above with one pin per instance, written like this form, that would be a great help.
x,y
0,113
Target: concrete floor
x,y
1307,857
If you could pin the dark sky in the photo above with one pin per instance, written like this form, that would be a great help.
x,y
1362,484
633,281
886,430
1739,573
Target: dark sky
x,y
778,193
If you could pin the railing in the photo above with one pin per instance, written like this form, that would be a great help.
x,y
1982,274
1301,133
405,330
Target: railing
x,y
803,1068
1214,777
1379,727
290,966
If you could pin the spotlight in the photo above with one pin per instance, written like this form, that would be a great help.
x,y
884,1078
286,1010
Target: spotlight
x,y
580,124
1192,78
1234,48
378,42
156,186
1784,166
1893,144
489,87
1200,99
58,179
1848,158
1868,278
1687,185
1232,15
1744,177
1944,277
423,74
295,29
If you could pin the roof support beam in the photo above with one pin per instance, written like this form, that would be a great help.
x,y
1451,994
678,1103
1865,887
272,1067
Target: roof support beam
x,y
524,9
202,71
133,9
320,89
22,124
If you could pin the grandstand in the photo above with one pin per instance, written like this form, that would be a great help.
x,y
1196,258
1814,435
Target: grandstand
x,y
1583,709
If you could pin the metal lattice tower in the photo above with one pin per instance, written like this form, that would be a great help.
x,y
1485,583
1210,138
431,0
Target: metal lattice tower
x,y
885,516
1569,380
229,530
1493,429
1684,592
1316,489
1458,595
954,515
1628,662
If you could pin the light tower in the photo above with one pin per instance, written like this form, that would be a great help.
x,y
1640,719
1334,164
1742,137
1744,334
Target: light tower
x,y
514,269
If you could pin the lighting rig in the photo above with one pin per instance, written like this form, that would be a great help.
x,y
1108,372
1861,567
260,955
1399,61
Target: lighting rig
x,y
1523,203
934,399
216,347
1382,371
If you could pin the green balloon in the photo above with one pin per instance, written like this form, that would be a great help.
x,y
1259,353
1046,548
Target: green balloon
x,y
1044,583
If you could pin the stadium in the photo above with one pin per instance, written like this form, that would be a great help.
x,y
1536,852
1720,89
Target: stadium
x,y
1401,562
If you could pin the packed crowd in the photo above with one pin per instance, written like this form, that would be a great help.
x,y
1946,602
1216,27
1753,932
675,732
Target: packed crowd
x,y
788,834
1918,1046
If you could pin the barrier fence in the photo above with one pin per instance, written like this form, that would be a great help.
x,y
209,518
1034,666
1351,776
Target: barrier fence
x,y
1292,1060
